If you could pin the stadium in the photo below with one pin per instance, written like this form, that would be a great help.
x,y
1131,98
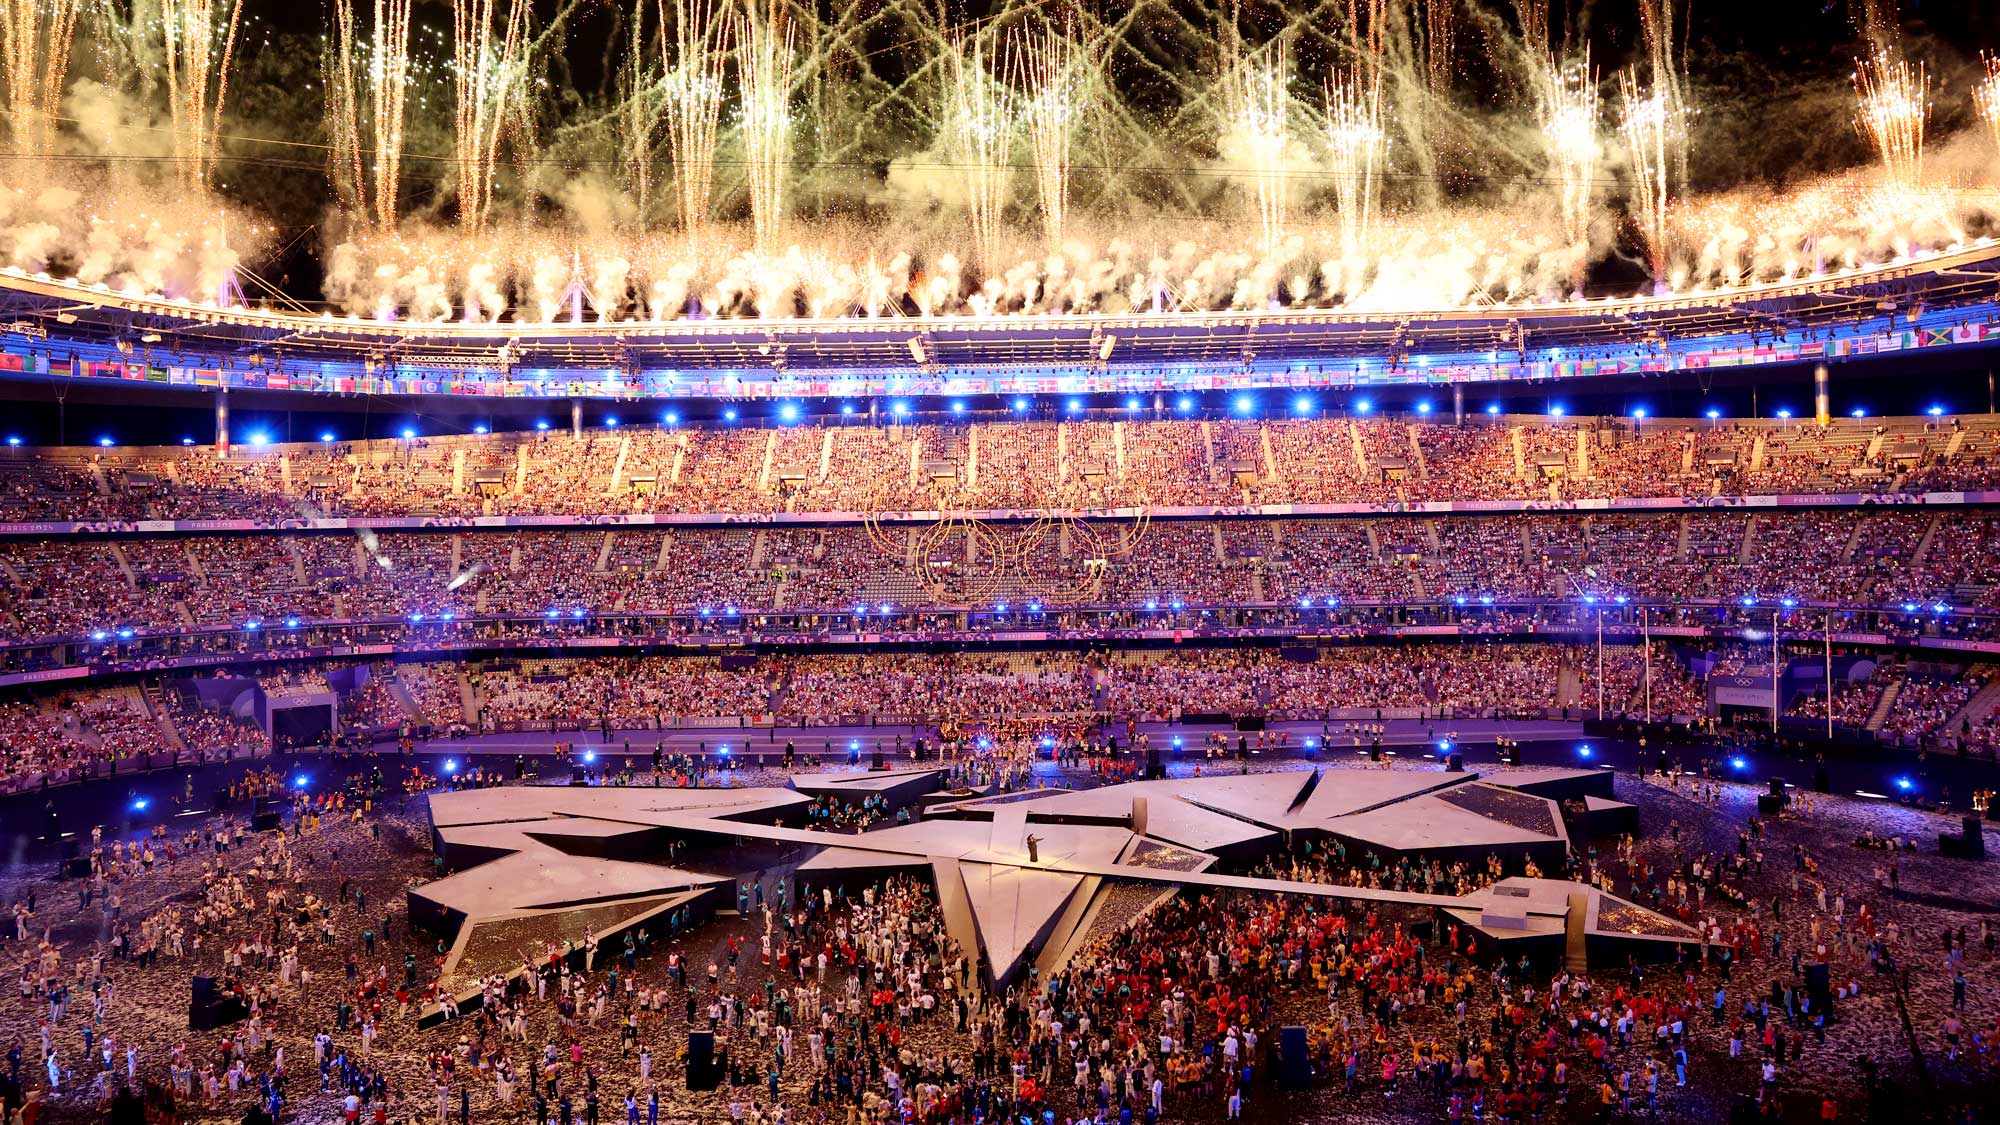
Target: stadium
x,y
1375,560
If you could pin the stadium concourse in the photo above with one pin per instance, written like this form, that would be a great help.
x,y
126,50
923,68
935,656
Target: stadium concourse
x,y
955,769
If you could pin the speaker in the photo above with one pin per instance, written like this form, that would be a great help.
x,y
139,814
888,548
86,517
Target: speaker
x,y
1821,783
74,867
876,763
1454,763
1819,986
1294,1063
1768,805
702,1073
1777,787
1974,838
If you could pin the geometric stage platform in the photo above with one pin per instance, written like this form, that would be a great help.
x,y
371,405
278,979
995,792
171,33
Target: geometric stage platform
x,y
1022,877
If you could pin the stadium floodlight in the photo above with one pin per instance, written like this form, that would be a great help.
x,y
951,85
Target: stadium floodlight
x,y
187,441
1858,412
1493,409
611,421
788,412
1424,407
251,625
105,440
847,409
899,409
15,439
1458,599
291,622
1788,602
1363,406
1556,410
1713,414
125,634
729,415
480,429
1076,406
541,423
1748,601
326,436
957,407
672,418
99,635
1936,411
1020,406
1302,405
1784,414
409,434
259,439
1185,404
1639,412
139,804
1132,403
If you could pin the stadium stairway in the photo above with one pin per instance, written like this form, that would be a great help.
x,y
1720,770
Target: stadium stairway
x,y
1883,705
163,717
1982,703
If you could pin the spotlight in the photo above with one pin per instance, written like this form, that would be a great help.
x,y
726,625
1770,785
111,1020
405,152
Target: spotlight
x,y
1639,412
1493,409
899,409
1784,414
611,421
480,429
125,634
140,804
854,744
1714,414
326,436
1177,742
1583,751
957,407
1905,784
847,409
187,441
1184,405
1363,406
541,424
1458,599
450,766
789,412
1020,406
409,434
1935,412
260,439
550,614
1302,405
729,415
299,782
1739,763
885,609
999,607
1076,406
15,440
1556,410
105,440
1788,602
671,418
1424,407
251,625
99,635
1245,404
1132,403
577,612
589,757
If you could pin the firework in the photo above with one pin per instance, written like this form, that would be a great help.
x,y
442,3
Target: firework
x,y
369,186
1357,146
199,49
1654,122
765,65
980,128
1050,70
1894,110
1569,136
1260,128
1440,36
1986,97
35,38
489,69
694,104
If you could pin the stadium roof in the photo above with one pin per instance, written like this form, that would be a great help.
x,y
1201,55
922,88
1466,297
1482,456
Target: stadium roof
x,y
51,323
